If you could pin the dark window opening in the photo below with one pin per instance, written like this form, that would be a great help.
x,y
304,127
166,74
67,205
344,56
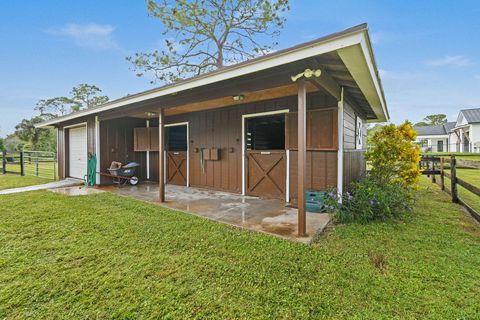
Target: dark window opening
x,y
265,133
176,138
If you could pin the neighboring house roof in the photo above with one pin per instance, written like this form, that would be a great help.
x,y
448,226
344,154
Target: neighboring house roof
x,y
441,129
353,45
471,115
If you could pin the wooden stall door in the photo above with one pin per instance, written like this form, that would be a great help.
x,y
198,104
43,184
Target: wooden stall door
x,y
266,172
177,167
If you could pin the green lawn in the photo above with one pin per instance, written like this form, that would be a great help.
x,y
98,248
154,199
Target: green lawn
x,y
105,256
14,181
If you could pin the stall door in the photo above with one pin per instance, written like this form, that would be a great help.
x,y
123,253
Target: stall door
x,y
77,152
176,155
265,156
266,174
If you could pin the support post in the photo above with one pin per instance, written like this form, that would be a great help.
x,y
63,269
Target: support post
x,y
22,164
161,160
302,153
453,178
340,146
434,180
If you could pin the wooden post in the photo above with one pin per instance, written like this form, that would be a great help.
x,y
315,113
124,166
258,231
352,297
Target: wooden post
x,y
161,159
453,178
22,164
302,164
4,162
36,164
433,170
442,173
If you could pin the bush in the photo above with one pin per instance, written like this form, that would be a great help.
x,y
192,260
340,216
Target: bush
x,y
371,201
394,157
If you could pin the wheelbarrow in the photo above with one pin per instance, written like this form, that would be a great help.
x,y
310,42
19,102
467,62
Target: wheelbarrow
x,y
123,174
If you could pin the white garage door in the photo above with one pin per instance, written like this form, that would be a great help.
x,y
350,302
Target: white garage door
x,y
78,152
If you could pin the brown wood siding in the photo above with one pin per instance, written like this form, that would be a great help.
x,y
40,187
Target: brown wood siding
x,y
222,128
321,171
116,144
354,167
60,153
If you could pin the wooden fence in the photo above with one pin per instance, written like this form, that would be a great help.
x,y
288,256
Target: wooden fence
x,y
41,164
435,167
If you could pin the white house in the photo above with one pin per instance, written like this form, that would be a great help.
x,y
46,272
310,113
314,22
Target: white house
x,y
460,136
434,138
465,136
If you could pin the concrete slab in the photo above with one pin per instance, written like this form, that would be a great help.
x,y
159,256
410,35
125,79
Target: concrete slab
x,y
264,215
69,182
76,191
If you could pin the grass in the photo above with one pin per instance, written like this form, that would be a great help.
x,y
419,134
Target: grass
x,y
105,256
45,169
15,181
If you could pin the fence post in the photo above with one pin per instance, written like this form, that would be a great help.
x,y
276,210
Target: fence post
x,y
4,161
442,174
453,178
433,171
22,164
36,165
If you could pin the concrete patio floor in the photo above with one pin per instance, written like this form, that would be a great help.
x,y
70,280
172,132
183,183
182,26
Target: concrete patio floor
x,y
264,215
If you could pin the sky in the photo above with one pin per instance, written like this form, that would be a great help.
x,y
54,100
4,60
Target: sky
x,y
427,52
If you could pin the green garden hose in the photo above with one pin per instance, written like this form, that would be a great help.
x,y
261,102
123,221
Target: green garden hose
x,y
92,169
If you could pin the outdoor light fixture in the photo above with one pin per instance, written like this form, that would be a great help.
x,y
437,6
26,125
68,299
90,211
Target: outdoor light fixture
x,y
238,97
151,114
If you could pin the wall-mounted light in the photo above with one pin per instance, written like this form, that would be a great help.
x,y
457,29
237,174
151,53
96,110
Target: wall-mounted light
x,y
238,97
151,114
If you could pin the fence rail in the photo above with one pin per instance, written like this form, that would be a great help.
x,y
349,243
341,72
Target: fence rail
x,y
433,166
41,164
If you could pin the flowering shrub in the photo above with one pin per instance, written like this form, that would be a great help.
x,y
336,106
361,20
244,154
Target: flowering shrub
x,y
369,201
394,158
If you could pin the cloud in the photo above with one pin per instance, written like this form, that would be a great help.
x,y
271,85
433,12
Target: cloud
x,y
456,61
90,35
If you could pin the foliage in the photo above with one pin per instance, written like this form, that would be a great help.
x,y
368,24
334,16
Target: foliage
x,y
75,257
370,201
2,144
83,96
54,107
432,120
372,129
13,143
393,156
202,35
34,137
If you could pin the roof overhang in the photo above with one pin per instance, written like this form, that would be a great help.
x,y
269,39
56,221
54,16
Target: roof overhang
x,y
352,45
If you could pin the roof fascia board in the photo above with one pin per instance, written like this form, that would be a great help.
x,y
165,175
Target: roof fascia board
x,y
343,41
358,61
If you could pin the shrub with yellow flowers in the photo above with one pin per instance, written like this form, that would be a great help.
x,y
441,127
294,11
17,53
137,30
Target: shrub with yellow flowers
x,y
394,157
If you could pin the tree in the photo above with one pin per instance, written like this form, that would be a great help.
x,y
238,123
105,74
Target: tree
x,y
85,96
2,144
203,35
54,107
432,120
27,132
372,129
